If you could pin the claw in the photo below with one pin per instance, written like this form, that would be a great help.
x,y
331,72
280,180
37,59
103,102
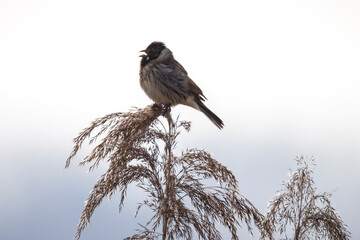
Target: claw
x,y
166,109
155,107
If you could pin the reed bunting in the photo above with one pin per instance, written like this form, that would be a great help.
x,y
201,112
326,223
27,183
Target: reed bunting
x,y
166,82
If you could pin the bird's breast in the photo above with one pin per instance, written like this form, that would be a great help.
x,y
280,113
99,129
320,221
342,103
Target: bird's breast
x,y
152,86
163,84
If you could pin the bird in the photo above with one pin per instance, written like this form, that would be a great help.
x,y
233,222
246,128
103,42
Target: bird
x,y
166,81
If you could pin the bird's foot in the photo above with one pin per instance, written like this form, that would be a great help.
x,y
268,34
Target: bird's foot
x,y
155,107
166,109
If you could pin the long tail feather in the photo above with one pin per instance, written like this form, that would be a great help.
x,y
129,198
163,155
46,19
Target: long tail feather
x,y
212,116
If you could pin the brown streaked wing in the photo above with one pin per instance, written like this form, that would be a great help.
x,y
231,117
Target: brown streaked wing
x,y
192,85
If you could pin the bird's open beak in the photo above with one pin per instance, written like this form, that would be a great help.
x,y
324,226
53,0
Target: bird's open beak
x,y
143,55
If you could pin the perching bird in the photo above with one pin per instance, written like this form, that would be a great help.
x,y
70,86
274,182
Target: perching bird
x,y
166,82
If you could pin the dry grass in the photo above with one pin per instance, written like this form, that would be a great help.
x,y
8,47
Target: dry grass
x,y
131,145
302,213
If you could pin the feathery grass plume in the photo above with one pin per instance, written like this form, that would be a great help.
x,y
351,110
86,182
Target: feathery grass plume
x,y
132,146
299,211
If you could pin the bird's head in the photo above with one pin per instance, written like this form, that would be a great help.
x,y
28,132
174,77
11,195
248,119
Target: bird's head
x,y
152,52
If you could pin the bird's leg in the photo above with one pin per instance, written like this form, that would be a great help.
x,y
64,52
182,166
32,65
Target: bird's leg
x,y
167,115
155,107
166,109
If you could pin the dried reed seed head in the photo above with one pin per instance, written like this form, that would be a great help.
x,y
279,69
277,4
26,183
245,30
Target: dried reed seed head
x,y
131,146
300,208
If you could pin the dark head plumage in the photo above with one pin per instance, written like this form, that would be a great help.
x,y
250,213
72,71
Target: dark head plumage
x,y
154,49
152,52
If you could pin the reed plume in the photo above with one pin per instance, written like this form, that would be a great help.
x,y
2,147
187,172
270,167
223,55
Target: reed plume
x,y
140,149
301,213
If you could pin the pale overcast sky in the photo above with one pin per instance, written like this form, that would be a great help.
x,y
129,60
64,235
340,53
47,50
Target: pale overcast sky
x,y
283,75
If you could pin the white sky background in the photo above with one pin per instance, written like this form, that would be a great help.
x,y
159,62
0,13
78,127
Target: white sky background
x,y
283,75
